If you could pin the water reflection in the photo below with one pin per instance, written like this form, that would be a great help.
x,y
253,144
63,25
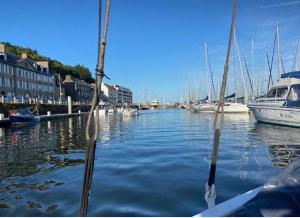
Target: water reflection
x,y
283,143
163,155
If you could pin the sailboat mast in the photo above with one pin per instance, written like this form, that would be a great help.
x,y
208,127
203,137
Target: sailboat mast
x,y
252,63
234,71
206,68
242,70
278,52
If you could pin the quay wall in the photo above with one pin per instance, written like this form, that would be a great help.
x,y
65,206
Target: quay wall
x,y
43,108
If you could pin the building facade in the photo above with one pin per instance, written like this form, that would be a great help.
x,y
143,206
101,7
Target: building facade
x,y
21,77
117,94
110,93
79,90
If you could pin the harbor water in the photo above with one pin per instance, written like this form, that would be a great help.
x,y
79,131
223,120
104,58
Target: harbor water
x,y
155,164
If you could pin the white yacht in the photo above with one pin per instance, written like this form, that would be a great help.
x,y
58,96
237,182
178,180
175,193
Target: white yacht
x,y
235,107
282,103
130,112
102,111
120,110
205,108
112,110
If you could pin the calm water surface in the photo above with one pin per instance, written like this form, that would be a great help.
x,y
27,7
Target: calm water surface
x,y
153,165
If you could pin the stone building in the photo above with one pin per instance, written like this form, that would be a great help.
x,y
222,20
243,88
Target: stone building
x,y
79,90
117,94
109,92
124,95
22,77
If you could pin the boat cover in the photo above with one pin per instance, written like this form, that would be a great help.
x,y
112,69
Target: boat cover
x,y
280,196
294,74
204,99
230,96
21,112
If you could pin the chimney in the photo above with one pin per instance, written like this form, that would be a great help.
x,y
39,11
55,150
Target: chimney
x,y
68,77
24,55
2,48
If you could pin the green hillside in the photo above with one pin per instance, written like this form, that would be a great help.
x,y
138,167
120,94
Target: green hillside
x,y
78,71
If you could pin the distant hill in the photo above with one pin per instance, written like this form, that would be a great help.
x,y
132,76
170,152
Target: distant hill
x,y
78,71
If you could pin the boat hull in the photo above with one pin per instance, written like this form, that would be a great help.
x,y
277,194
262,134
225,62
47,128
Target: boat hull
x,y
130,113
205,108
112,111
20,120
277,115
235,108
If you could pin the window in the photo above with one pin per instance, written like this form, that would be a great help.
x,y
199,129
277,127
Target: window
x,y
294,93
7,82
279,92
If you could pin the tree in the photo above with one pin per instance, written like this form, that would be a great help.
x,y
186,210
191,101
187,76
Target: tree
x,y
78,71
83,72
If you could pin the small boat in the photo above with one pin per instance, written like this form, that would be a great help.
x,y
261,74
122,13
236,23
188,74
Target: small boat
x,y
112,111
22,116
120,110
102,112
130,112
281,105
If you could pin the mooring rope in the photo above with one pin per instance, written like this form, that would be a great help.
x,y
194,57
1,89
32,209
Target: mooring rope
x,y
210,193
92,139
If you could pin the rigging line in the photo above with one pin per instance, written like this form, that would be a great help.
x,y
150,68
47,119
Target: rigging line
x,y
210,194
91,140
270,79
211,75
296,54
250,81
282,64
273,54
223,87
234,71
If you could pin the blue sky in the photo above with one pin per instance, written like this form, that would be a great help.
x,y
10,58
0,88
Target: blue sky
x,y
154,46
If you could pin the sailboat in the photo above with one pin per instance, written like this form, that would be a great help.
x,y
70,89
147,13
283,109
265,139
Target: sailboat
x,y
237,107
206,105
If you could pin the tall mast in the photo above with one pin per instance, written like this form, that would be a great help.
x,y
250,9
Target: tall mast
x,y
206,68
234,71
252,61
242,70
278,52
